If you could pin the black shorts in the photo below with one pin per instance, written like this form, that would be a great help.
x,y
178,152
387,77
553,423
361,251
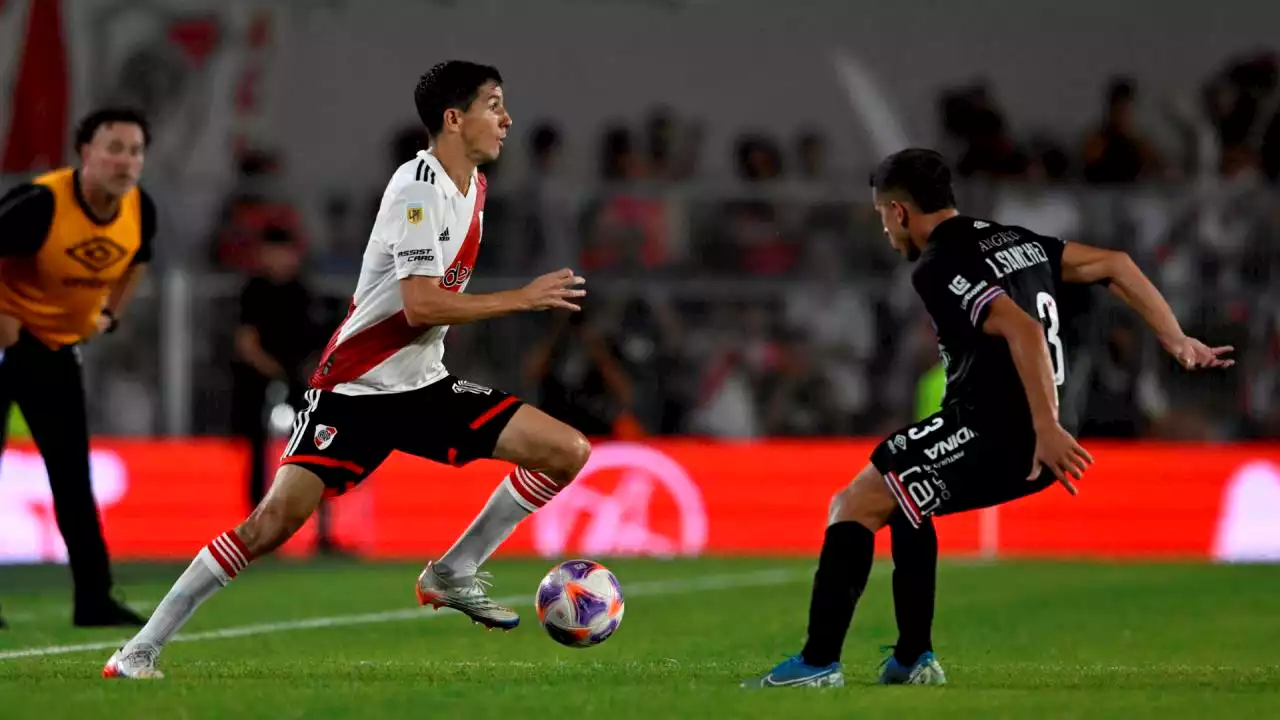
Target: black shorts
x,y
344,438
957,460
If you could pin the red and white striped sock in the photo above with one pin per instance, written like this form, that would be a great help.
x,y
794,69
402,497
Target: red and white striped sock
x,y
210,571
531,490
226,555
521,492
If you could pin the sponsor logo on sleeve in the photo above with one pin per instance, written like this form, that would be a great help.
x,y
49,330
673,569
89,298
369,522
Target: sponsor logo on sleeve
x,y
417,255
968,297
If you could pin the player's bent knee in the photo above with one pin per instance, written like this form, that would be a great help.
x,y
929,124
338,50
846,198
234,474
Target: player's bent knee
x,y
268,528
574,455
564,455
842,504
292,499
867,500
540,443
833,508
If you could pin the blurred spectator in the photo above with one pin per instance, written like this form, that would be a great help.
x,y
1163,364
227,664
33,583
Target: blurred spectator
x,y
759,332
627,228
619,159
1239,100
672,144
758,158
800,400
660,141
273,341
824,217
1263,399
811,156
1115,152
977,128
725,405
580,379
739,346
544,234
1114,407
345,239
544,149
648,337
752,238
836,317
1040,201
256,203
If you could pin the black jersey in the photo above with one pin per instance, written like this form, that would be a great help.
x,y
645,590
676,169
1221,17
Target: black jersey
x,y
967,264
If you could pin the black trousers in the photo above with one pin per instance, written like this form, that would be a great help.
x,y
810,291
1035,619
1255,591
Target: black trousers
x,y
48,387
249,421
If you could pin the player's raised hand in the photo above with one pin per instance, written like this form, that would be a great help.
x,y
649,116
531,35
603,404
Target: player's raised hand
x,y
554,290
1193,354
1058,451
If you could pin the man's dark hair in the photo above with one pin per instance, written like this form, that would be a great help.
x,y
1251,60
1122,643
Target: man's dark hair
x,y
88,127
1121,89
921,175
277,235
450,85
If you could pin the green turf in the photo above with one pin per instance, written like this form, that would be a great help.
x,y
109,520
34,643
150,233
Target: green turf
x,y
1018,640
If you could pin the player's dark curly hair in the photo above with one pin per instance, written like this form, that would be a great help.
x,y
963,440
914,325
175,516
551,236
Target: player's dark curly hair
x,y
450,85
922,175
87,127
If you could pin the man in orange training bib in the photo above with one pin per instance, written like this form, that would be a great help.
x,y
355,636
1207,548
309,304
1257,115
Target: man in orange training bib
x,y
73,244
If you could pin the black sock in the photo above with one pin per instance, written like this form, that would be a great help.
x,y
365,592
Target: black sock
x,y
843,567
915,575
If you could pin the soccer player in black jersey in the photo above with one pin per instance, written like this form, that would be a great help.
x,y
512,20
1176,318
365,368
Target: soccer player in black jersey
x,y
991,291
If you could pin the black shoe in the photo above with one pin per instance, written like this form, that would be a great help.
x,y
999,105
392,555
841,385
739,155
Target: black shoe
x,y
106,613
3,624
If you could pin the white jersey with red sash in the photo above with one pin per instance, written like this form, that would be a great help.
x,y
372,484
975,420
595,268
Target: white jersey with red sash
x,y
425,226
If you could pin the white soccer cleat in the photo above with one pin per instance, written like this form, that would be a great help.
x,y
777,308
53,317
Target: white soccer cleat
x,y
469,597
139,663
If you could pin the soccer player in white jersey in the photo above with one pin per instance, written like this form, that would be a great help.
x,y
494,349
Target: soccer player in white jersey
x,y
382,385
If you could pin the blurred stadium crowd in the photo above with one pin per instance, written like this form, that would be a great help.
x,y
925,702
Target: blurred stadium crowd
x,y
769,303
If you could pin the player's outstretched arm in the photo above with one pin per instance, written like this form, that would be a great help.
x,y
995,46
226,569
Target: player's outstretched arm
x,y
1087,264
427,304
1025,335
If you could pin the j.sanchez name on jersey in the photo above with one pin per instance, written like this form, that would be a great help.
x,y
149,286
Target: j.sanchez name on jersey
x,y
1014,257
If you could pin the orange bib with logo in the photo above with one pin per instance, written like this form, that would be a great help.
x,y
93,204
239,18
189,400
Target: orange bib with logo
x,y
58,293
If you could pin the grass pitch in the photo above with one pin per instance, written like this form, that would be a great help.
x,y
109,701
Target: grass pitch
x,y
344,639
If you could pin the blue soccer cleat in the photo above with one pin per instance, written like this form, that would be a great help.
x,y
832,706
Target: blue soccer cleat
x,y
924,671
794,672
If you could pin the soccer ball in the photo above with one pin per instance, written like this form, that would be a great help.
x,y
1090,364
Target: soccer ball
x,y
579,603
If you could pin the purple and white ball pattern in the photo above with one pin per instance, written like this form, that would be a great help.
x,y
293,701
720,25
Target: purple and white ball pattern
x,y
580,603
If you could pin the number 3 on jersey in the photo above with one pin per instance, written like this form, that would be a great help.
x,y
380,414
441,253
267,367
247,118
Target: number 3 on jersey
x,y
1047,307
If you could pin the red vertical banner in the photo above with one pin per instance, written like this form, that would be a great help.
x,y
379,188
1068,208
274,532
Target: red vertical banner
x,y
38,103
